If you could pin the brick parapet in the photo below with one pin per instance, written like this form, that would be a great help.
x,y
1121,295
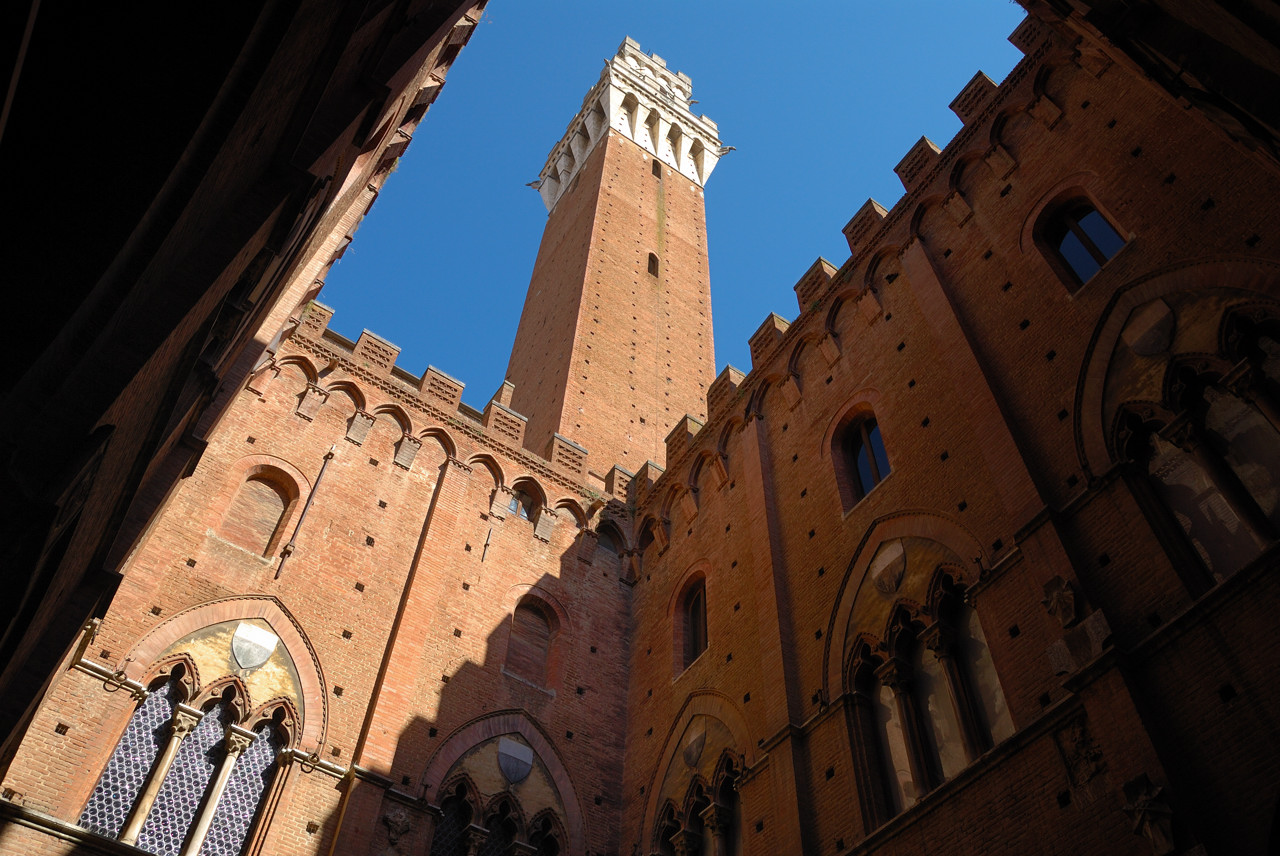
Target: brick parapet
x,y
403,389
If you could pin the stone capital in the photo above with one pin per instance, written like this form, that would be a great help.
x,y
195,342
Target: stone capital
x,y
238,740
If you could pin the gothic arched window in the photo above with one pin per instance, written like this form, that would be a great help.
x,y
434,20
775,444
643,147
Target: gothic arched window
x,y
183,781
450,837
927,711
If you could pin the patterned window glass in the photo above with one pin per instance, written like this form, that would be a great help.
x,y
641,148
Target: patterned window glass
x,y
126,772
238,806
183,789
450,837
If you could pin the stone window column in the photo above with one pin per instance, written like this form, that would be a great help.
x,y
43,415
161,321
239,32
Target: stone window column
x,y
475,837
183,723
1189,439
896,675
940,638
237,740
718,819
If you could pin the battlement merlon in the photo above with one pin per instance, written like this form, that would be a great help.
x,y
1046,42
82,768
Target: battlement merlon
x,y
640,98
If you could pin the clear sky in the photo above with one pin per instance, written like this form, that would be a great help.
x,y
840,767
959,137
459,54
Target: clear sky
x,y
821,100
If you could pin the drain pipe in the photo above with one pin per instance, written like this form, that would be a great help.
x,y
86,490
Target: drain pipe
x,y
292,545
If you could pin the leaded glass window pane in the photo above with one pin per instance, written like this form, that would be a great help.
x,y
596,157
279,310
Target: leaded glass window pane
x,y
238,806
183,789
126,773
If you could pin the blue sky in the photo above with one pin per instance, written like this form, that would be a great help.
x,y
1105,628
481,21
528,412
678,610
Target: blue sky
x,y
820,99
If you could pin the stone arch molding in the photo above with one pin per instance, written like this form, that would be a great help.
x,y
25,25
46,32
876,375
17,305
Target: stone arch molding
x,y
497,724
918,524
699,703
1251,275
310,676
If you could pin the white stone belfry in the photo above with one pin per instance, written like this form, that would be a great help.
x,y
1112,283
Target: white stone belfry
x,y
638,97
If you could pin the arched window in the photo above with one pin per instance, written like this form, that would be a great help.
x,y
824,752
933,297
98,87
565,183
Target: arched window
x,y
254,519
1211,484
861,460
543,839
502,829
925,712
134,756
1080,238
653,265
450,837
529,645
185,782
693,619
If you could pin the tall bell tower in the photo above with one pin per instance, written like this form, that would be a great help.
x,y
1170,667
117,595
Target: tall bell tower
x,y
615,343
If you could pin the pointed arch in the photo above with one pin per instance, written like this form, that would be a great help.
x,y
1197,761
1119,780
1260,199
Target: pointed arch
x,y
302,364
489,463
924,524
1224,273
574,509
310,676
705,702
229,689
511,722
442,437
351,390
396,413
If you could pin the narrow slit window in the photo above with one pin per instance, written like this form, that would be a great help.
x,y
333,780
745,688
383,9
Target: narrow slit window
x,y
653,265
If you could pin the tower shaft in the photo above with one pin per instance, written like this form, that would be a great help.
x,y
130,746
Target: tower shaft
x,y
615,341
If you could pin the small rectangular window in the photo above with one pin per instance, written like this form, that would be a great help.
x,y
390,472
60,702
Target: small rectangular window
x,y
657,168
653,265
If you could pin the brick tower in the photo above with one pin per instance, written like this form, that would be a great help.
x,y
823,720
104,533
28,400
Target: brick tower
x,y
615,345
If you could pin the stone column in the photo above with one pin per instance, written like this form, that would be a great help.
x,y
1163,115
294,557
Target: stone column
x,y
475,837
718,820
183,722
238,739
940,638
895,675
1226,481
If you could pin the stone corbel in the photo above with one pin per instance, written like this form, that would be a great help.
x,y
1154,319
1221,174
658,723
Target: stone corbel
x,y
545,524
689,504
1046,112
1092,60
1001,161
958,208
358,427
262,377
407,450
829,347
588,540
311,401
501,502
790,388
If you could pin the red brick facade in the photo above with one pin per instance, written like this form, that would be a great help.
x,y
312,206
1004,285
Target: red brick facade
x,y
979,557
